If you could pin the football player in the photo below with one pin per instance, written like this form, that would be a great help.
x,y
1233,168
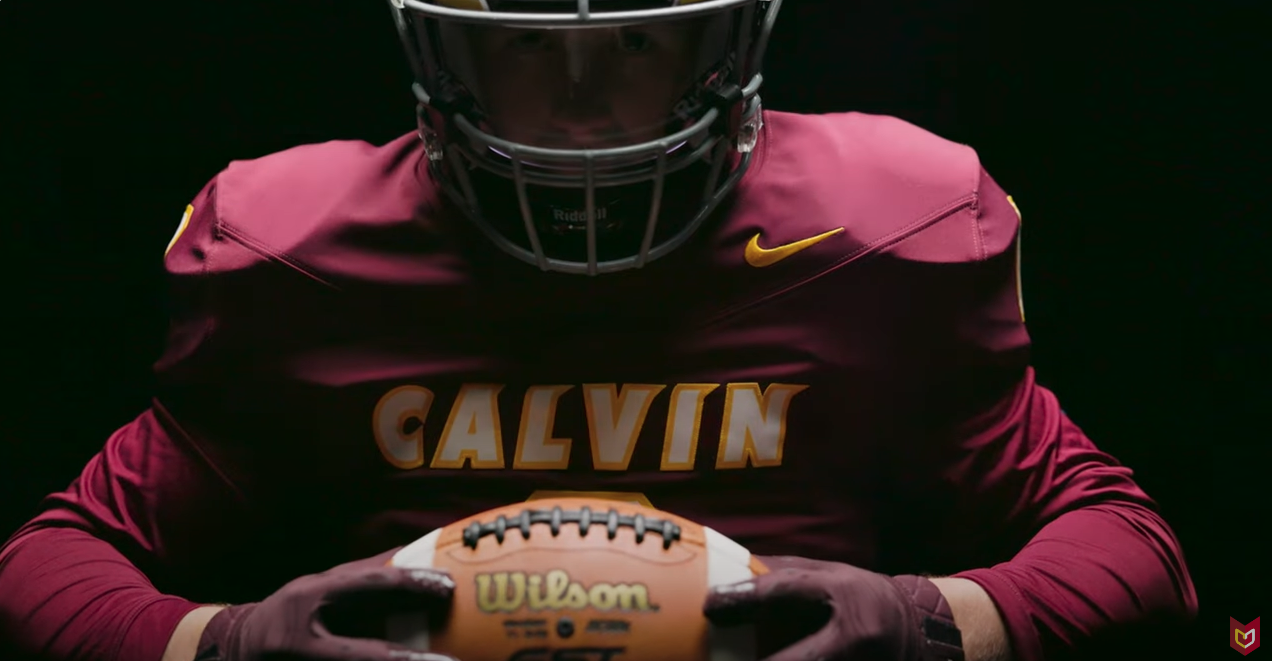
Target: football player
x,y
599,265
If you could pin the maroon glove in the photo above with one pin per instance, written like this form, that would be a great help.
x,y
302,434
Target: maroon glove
x,y
290,623
808,609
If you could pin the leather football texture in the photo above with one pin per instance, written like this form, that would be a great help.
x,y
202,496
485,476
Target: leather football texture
x,y
577,579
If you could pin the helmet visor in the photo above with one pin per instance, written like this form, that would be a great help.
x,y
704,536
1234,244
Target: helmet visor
x,y
587,87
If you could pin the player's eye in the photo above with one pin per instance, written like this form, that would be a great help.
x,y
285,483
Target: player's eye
x,y
633,41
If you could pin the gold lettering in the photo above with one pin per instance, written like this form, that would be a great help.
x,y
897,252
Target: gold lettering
x,y
496,598
472,433
397,408
752,433
684,418
534,592
575,598
753,430
537,449
603,596
633,597
558,583
508,592
615,419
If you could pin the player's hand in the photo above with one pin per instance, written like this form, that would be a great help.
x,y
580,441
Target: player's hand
x,y
808,609
289,624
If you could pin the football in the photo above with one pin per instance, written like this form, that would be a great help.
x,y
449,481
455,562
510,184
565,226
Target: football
x,y
578,579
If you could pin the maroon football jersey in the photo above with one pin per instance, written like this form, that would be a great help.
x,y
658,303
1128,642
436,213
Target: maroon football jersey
x,y
340,328
835,366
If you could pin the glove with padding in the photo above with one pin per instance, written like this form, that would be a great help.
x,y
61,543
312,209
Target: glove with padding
x,y
805,610
290,623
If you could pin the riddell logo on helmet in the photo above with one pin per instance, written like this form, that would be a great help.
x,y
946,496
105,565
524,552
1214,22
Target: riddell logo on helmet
x,y
508,592
576,215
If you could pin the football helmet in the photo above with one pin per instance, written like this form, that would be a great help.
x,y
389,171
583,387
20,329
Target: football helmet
x,y
587,136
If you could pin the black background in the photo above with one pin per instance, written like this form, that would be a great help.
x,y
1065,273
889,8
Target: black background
x,y
1127,137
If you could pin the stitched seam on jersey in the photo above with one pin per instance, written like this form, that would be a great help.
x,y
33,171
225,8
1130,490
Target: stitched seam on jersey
x,y
884,241
275,255
978,230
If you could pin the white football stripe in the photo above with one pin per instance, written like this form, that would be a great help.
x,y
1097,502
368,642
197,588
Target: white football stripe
x,y
411,629
418,554
728,562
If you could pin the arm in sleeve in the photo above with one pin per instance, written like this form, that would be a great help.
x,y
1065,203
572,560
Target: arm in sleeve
x,y
76,581
91,577
1070,549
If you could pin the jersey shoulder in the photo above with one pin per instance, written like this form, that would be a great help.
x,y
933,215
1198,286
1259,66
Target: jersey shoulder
x,y
318,209
893,186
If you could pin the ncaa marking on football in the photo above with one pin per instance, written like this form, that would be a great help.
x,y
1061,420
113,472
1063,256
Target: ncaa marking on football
x,y
752,430
509,592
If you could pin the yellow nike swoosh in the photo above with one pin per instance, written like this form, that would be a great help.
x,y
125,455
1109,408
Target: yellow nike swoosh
x,y
761,257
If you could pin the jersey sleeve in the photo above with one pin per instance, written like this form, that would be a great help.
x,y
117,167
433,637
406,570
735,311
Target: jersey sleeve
x,y
85,578
110,565
1006,489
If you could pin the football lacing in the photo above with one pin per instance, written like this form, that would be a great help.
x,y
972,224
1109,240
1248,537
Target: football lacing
x,y
584,517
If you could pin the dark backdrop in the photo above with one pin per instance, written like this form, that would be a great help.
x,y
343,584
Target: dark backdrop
x,y
1122,135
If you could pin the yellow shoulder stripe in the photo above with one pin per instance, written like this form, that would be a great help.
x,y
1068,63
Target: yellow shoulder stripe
x,y
185,222
1020,291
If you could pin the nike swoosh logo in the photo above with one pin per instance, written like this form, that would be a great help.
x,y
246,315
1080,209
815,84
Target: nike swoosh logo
x,y
761,257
